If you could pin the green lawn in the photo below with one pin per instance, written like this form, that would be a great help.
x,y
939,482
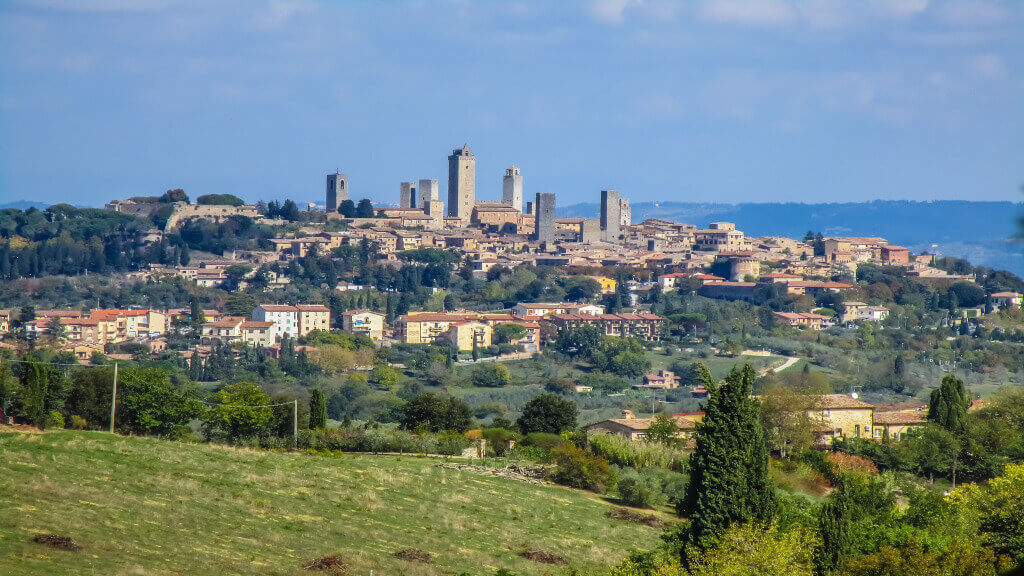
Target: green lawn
x,y
719,365
143,506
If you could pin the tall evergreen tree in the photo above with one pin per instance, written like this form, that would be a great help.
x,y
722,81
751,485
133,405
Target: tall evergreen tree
x,y
317,410
195,368
729,481
35,383
948,404
834,531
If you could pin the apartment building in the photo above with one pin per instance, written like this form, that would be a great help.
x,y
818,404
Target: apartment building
x,y
294,320
804,320
365,322
541,309
642,325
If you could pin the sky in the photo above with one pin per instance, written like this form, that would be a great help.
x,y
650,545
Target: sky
x,y
704,100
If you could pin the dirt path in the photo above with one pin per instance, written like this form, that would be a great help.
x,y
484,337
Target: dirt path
x,y
790,360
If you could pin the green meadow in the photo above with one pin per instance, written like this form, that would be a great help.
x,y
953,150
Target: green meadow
x,y
143,506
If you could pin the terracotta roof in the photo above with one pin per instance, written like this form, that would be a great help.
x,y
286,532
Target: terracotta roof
x,y
838,402
899,417
256,325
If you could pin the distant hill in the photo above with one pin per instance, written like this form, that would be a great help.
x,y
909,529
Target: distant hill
x,y
981,232
25,205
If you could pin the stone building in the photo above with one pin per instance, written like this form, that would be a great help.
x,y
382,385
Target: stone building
x,y
842,416
427,192
544,228
611,215
625,213
461,183
512,188
407,195
337,191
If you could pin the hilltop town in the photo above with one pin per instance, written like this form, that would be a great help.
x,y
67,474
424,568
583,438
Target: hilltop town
x,y
594,353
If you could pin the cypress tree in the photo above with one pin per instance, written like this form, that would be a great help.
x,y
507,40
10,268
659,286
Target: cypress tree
x,y
35,383
195,368
729,480
834,531
317,410
948,404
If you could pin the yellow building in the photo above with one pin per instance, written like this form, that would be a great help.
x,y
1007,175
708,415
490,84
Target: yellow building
x,y
607,284
895,424
464,334
459,329
842,416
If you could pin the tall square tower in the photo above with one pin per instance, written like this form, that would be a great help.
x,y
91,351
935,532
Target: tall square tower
x,y
544,229
512,188
461,183
337,190
427,192
611,215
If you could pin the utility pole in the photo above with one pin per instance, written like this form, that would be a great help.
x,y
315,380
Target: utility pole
x,y
113,401
295,423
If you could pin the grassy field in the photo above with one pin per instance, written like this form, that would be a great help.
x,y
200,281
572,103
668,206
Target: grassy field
x,y
720,366
143,507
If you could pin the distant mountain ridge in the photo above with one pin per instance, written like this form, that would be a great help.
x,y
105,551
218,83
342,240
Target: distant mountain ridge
x,y
25,205
982,232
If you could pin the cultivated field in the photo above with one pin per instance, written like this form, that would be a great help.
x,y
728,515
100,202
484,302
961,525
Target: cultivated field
x,y
149,507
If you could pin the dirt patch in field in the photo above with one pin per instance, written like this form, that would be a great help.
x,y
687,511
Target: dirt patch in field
x,y
333,564
631,516
57,542
413,555
543,556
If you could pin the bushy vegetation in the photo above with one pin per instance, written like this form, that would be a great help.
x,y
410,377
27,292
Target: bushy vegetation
x,y
621,451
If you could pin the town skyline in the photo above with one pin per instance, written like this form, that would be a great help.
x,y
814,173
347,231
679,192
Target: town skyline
x,y
737,101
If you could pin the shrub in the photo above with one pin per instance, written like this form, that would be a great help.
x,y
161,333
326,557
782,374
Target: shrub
x,y
629,454
452,444
542,440
522,452
78,423
54,420
490,375
498,439
640,490
580,469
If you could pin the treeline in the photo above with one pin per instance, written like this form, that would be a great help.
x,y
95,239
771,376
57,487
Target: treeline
x,y
64,240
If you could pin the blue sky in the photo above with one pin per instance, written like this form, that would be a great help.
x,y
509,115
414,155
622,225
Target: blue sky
x,y
709,100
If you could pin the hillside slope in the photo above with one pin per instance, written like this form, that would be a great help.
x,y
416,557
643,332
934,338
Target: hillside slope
x,y
145,506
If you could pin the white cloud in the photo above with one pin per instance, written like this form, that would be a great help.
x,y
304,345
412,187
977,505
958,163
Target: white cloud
x,y
612,11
